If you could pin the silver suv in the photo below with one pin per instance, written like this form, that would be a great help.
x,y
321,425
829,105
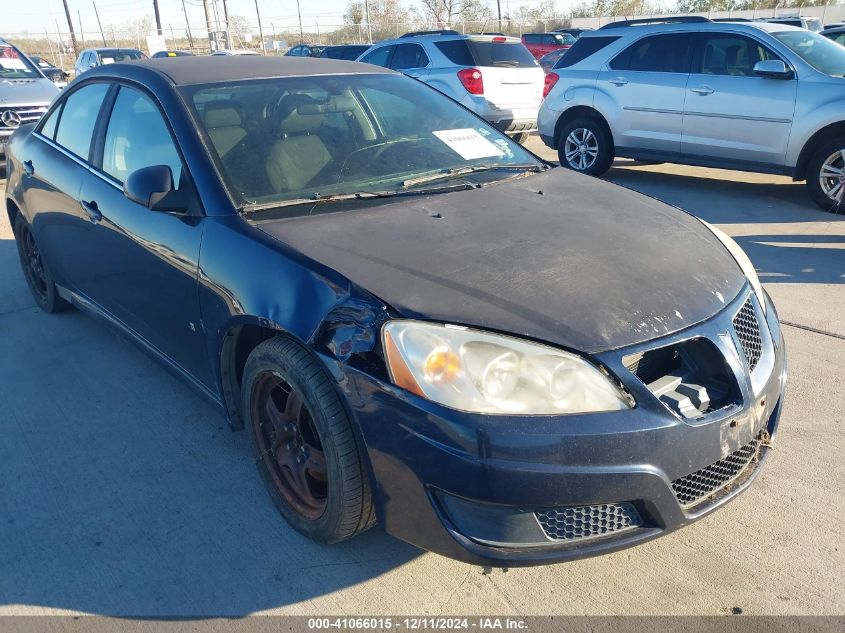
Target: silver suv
x,y
752,96
25,92
494,76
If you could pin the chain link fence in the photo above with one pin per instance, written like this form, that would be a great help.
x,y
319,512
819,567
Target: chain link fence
x,y
56,46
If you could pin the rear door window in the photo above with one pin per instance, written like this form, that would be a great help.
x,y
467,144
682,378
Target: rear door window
x,y
584,48
79,117
408,56
668,53
379,56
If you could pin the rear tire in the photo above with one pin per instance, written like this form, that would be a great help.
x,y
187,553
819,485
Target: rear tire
x,y
35,271
305,447
826,175
584,145
521,137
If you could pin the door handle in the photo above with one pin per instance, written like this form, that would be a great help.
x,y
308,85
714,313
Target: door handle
x,y
619,81
28,167
92,210
703,90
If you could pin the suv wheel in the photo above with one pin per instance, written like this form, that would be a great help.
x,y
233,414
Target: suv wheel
x,y
826,175
585,146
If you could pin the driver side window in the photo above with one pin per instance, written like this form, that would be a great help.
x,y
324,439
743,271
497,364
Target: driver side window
x,y
137,137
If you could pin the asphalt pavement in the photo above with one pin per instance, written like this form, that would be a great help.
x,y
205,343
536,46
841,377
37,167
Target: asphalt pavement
x,y
123,493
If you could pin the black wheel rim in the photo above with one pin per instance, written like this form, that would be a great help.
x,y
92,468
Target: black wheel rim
x,y
33,264
289,445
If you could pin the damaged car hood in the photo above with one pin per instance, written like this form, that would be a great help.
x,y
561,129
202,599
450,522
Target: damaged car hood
x,y
557,257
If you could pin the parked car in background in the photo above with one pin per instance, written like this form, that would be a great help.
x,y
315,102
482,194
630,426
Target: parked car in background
x,y
492,75
349,52
305,50
94,57
836,34
25,92
753,96
802,22
548,61
360,273
54,74
573,31
544,43
160,54
229,52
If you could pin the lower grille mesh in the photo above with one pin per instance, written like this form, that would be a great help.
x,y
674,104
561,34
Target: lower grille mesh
x,y
748,330
696,487
580,522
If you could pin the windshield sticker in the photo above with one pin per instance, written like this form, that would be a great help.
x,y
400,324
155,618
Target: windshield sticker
x,y
107,60
9,63
468,143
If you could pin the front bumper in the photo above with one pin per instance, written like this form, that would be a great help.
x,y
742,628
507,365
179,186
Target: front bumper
x,y
477,487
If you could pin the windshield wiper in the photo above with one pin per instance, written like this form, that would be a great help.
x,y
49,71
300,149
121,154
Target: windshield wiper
x,y
318,198
462,171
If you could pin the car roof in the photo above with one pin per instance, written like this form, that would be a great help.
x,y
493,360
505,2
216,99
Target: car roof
x,y
833,29
705,25
444,37
183,71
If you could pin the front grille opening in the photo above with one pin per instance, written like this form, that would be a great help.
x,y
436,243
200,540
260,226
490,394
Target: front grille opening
x,y
748,332
703,484
692,378
583,522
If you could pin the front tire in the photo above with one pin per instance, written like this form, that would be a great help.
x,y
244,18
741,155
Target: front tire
x,y
826,175
585,145
35,271
521,137
305,447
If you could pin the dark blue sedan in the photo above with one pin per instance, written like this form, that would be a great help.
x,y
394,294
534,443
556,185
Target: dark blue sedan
x,y
419,322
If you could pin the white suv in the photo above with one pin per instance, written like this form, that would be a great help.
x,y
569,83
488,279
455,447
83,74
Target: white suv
x,y
752,96
494,76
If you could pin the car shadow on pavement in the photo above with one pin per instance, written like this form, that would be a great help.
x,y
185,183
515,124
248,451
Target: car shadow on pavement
x,y
722,200
802,258
124,493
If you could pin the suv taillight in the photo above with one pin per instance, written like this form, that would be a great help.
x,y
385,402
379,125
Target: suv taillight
x,y
551,80
472,80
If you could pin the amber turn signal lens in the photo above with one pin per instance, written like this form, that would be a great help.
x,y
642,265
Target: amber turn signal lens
x,y
399,372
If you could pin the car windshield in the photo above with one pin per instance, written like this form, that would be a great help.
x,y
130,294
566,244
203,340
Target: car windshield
x,y
821,53
13,65
566,39
299,138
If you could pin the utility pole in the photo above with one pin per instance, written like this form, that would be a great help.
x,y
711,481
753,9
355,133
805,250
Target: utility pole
x,y
226,19
70,26
260,29
98,23
211,38
158,17
299,13
187,26
367,15
499,7
81,32
52,54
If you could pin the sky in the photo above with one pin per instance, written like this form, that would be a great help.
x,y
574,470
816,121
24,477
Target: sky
x,y
36,15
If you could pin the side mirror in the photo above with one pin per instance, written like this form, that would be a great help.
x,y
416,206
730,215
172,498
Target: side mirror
x,y
772,69
153,188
